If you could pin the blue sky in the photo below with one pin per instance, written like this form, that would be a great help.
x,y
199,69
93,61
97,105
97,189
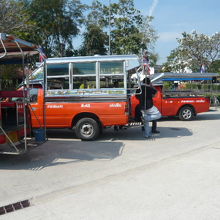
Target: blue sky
x,y
172,17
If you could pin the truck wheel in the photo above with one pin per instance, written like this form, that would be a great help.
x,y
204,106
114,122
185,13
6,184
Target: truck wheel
x,y
87,129
186,113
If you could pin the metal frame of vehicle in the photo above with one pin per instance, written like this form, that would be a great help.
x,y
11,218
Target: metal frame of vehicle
x,y
93,87
14,50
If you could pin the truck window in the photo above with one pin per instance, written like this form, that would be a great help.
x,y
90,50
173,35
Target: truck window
x,y
84,69
38,74
58,76
33,95
85,82
58,69
111,67
58,83
111,81
84,75
103,76
112,74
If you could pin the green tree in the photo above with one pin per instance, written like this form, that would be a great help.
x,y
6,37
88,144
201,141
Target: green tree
x,y
94,41
56,23
94,36
129,30
97,14
14,20
13,17
194,50
215,66
176,61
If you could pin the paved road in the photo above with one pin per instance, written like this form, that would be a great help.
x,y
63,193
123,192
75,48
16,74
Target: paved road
x,y
121,176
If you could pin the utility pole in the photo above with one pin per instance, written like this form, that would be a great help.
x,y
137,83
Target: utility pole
x,y
109,26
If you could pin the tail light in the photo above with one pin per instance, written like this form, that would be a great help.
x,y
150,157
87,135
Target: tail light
x,y
126,109
207,99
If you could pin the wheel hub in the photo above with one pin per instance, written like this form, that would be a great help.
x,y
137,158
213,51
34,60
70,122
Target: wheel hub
x,y
87,130
187,114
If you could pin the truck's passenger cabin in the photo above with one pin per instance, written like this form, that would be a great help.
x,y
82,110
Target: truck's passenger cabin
x,y
86,76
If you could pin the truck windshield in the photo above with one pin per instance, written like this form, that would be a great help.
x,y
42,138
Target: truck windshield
x,y
38,74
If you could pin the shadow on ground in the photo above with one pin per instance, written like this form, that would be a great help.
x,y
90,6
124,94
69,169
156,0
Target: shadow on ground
x,y
135,133
208,116
131,133
63,148
211,115
59,152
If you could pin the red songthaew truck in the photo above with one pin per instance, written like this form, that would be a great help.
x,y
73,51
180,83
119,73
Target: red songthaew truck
x,y
185,104
88,94
15,118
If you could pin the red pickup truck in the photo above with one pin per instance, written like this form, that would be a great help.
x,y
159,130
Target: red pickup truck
x,y
183,104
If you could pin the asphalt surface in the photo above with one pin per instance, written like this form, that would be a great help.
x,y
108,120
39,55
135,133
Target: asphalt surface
x,y
175,175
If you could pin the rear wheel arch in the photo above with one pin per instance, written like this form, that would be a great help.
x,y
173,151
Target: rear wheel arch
x,y
85,115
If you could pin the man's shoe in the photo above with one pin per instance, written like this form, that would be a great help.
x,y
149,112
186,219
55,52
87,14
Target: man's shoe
x,y
155,132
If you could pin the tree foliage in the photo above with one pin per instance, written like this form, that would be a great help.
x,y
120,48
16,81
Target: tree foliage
x,y
215,66
194,50
53,24
56,23
13,17
128,29
94,41
94,36
97,14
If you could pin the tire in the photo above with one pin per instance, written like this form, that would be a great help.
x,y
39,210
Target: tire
x,y
87,129
186,113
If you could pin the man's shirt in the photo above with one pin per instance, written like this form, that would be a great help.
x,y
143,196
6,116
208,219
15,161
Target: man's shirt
x,y
146,97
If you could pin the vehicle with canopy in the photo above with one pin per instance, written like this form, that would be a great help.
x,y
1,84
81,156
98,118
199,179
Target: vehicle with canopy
x,y
15,117
85,93
181,100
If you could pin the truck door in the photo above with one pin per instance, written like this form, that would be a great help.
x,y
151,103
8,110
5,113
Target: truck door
x,y
165,103
59,114
169,105
49,114
158,98
36,107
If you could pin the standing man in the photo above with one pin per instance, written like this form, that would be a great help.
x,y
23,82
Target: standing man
x,y
203,68
146,63
149,111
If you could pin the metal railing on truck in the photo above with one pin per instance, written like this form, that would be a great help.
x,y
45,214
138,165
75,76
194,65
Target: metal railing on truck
x,y
15,119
